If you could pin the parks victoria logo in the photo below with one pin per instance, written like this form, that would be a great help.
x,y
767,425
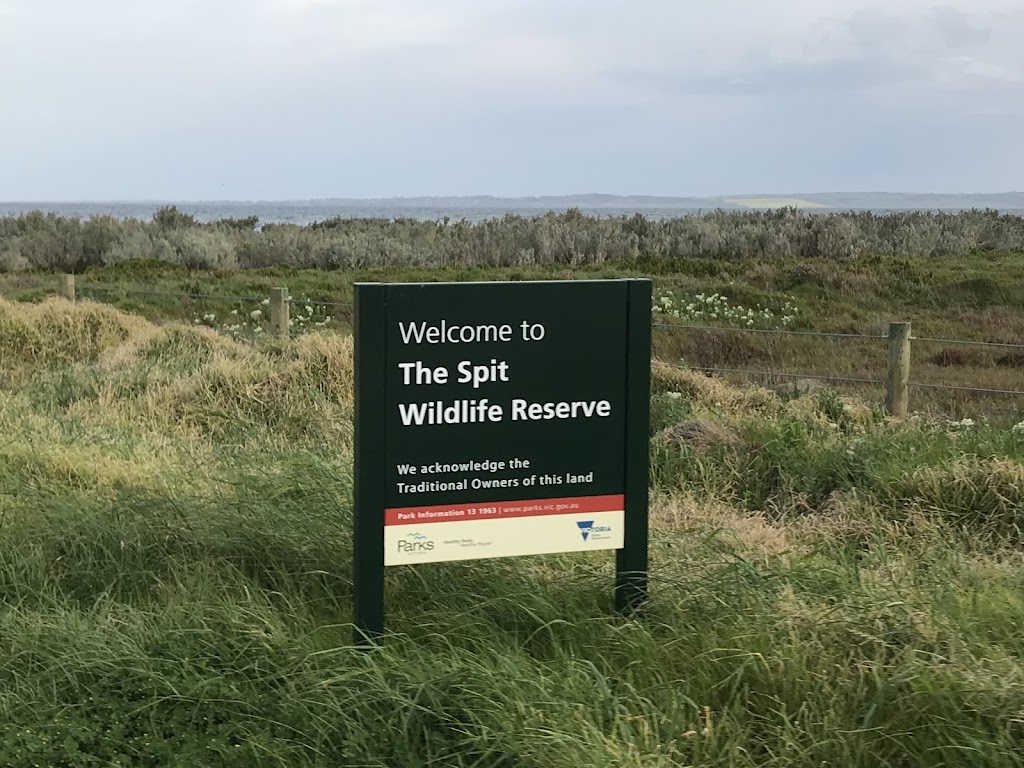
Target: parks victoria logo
x,y
591,532
415,542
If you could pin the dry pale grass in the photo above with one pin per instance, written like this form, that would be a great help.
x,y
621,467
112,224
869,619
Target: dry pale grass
x,y
97,449
846,517
708,393
308,384
58,332
717,401
167,342
969,489
699,434
179,380
752,533
807,408
104,401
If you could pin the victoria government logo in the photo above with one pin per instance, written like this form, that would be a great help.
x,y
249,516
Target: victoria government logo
x,y
591,532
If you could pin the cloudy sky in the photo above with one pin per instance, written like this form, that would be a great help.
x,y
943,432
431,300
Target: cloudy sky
x,y
274,99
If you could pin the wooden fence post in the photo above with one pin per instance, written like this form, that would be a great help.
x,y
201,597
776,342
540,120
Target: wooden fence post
x,y
279,312
897,374
67,287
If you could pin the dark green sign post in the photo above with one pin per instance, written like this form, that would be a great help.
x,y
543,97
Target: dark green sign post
x,y
499,420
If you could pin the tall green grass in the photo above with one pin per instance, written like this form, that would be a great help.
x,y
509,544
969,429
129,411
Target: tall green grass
x,y
827,587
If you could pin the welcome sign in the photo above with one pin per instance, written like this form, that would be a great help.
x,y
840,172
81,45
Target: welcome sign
x,y
499,420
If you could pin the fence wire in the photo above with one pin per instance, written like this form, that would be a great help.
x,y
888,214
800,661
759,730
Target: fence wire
x,y
310,303
961,342
854,380
215,297
817,376
169,294
767,331
968,389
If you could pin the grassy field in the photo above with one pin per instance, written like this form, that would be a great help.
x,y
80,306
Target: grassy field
x,y
980,298
828,587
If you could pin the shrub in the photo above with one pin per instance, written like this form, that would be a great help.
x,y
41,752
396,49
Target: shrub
x,y
99,235
169,217
202,249
245,224
48,241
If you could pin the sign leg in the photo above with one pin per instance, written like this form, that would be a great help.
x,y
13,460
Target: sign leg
x,y
368,524
631,561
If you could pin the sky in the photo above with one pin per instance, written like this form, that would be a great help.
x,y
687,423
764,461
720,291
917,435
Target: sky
x,y
306,99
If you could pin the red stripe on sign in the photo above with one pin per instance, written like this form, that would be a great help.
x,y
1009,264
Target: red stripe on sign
x,y
498,510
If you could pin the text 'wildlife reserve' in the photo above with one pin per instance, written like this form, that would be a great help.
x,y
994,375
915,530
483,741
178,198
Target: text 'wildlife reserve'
x,y
477,374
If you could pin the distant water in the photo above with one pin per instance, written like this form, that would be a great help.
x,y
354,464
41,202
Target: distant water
x,y
307,213
303,213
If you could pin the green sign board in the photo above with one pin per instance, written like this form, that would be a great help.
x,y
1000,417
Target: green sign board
x,y
499,419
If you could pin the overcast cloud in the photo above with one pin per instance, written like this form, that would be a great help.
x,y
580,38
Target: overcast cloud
x,y
274,99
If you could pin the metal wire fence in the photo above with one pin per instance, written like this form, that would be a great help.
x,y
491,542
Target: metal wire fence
x,y
781,375
88,288
890,382
965,343
895,379
771,331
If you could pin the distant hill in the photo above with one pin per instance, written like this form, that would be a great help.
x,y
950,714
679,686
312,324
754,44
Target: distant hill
x,y
810,200
546,202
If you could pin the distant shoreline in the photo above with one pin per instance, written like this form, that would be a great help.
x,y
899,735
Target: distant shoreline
x,y
1012,199
481,208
